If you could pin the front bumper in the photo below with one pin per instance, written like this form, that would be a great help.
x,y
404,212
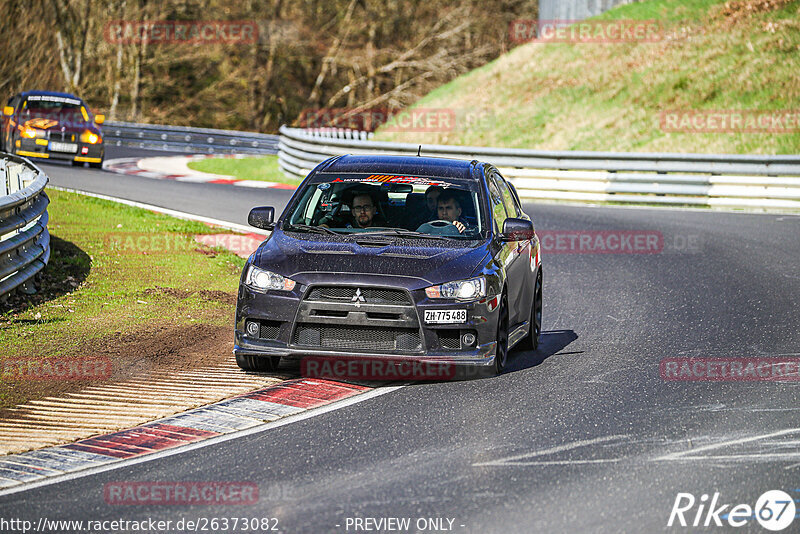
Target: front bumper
x,y
288,315
40,148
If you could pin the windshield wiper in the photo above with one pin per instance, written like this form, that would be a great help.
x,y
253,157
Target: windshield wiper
x,y
405,233
311,229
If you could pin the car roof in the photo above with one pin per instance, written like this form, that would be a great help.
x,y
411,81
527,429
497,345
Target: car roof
x,y
406,165
49,93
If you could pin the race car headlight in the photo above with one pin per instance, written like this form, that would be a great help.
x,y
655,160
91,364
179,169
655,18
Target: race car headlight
x,y
30,133
262,280
90,137
474,288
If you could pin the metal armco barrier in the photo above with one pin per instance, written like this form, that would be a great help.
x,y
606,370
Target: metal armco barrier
x,y
24,239
716,180
185,139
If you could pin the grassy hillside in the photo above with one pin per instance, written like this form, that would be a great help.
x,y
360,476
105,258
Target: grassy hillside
x,y
739,55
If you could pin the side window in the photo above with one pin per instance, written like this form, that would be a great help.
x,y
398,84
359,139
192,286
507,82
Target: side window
x,y
499,214
508,197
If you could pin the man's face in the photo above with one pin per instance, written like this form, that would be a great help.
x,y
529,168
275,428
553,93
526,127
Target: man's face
x,y
432,199
363,210
449,210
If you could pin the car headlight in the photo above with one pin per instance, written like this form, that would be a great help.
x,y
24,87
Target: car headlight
x,y
90,137
262,280
474,288
30,133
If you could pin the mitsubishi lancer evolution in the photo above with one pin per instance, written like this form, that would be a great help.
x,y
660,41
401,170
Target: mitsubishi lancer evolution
x,y
415,259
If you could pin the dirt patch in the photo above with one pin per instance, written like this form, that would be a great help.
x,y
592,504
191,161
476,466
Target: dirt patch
x,y
218,296
182,294
741,10
139,354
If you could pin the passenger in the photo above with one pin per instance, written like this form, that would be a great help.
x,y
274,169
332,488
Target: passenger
x,y
432,197
363,214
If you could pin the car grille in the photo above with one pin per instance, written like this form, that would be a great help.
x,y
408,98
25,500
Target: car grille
x,y
358,337
354,318
270,330
449,339
370,295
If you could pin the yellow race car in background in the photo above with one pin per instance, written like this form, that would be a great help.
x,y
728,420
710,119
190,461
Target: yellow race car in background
x,y
49,125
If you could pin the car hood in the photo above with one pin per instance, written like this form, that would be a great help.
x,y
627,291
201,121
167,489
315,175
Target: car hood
x,y
54,122
413,264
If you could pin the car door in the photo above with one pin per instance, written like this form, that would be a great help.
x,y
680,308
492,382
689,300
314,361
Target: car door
x,y
506,255
518,269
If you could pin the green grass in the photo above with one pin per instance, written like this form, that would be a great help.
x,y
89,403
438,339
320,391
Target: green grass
x,y
262,168
610,96
116,271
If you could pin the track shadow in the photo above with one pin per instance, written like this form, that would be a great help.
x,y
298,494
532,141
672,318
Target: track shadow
x,y
551,342
68,267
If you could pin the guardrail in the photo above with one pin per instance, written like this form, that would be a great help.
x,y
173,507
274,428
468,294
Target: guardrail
x,y
24,239
185,139
740,181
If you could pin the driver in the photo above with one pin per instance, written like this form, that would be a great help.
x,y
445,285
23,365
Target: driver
x,y
448,209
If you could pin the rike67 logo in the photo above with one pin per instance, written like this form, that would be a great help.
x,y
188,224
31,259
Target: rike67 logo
x,y
774,510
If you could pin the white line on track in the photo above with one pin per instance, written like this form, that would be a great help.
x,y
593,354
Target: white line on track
x,y
514,460
166,211
308,414
689,453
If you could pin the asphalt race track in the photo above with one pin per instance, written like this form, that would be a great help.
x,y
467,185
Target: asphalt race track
x,y
582,435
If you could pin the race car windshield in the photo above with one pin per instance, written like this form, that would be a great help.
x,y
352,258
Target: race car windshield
x,y
391,205
51,106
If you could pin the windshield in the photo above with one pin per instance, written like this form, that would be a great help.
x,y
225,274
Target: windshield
x,y
54,105
387,204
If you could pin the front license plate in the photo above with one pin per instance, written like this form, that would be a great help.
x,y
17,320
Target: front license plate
x,y
445,316
63,147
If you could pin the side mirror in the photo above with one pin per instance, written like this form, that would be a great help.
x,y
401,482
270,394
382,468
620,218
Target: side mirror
x,y
517,230
8,111
262,217
99,119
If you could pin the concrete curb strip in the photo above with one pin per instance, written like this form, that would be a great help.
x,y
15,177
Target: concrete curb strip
x,y
176,168
238,413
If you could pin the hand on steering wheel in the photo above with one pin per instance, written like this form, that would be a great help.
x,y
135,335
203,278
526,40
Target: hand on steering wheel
x,y
439,223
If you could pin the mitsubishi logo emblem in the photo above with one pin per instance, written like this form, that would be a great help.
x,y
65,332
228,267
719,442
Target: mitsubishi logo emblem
x,y
358,298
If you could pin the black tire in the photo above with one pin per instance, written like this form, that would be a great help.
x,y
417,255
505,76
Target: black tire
x,y
77,163
531,341
258,363
96,165
501,353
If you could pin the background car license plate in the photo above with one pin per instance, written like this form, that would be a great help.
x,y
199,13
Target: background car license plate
x,y
63,147
445,316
